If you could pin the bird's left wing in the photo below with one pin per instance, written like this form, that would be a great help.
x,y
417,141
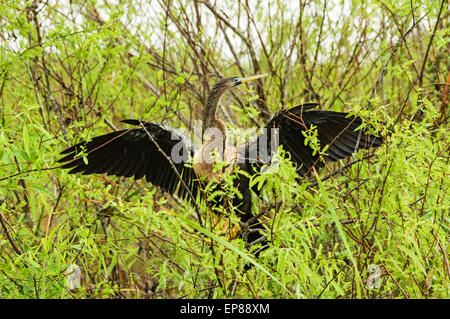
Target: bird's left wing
x,y
133,153
337,130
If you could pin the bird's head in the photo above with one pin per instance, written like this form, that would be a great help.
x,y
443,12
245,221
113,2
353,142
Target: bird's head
x,y
232,82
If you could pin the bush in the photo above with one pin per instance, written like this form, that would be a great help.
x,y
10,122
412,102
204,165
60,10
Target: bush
x,y
70,71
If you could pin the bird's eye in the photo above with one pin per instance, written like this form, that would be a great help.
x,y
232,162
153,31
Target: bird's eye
x,y
237,81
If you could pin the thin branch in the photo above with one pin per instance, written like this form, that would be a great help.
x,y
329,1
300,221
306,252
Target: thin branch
x,y
431,41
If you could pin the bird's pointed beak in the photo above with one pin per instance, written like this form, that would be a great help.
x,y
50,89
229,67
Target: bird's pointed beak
x,y
252,78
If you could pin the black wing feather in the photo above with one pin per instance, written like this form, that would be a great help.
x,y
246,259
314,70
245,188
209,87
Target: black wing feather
x,y
338,130
132,153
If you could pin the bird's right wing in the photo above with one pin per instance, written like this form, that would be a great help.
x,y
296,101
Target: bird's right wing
x,y
133,153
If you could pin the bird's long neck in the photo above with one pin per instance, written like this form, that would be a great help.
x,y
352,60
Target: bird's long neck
x,y
210,119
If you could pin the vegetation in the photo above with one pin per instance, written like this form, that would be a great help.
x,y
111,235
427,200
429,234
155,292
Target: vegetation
x,y
71,70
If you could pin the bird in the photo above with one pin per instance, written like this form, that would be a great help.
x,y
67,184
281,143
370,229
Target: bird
x,y
167,159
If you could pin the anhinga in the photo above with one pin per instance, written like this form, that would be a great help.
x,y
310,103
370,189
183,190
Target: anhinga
x,y
147,150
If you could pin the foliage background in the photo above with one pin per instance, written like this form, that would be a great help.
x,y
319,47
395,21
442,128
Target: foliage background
x,y
71,70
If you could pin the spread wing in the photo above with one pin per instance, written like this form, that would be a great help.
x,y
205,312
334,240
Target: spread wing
x,y
335,129
133,153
